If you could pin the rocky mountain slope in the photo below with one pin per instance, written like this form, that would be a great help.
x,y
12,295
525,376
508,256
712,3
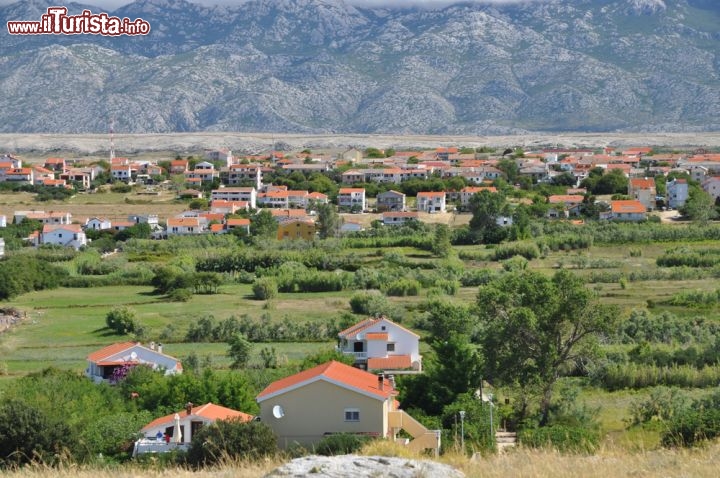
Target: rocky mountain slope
x,y
328,66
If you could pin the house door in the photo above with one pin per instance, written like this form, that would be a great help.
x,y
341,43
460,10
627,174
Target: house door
x,y
358,347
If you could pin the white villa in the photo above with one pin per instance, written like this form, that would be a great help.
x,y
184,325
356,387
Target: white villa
x,y
381,344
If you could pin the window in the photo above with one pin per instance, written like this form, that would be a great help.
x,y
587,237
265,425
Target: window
x,y
352,415
391,347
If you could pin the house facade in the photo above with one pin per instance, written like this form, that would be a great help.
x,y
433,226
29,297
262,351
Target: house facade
x,y
390,201
190,420
352,198
626,210
399,218
335,398
677,193
644,191
431,202
381,344
711,186
237,194
66,235
296,229
103,363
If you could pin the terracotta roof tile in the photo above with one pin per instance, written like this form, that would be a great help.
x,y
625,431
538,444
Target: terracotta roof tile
x,y
109,350
334,372
394,362
209,411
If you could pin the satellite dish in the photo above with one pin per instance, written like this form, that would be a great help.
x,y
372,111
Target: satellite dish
x,y
278,411
133,355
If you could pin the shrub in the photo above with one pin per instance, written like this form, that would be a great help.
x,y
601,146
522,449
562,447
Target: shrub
x,y
231,439
528,250
28,434
341,444
180,295
121,320
264,288
368,303
403,287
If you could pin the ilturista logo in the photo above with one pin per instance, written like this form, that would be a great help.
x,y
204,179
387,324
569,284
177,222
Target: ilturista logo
x,y
57,22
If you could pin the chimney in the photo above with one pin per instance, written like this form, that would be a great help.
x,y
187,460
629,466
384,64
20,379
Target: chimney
x,y
381,382
159,348
189,407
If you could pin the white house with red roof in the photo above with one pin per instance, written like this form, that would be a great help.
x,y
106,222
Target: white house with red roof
x,y
352,198
190,421
381,344
337,398
66,235
431,201
102,363
98,223
248,195
185,225
626,210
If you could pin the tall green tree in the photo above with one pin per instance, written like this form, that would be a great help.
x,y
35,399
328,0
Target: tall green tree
x,y
328,220
239,351
263,225
486,208
699,206
441,246
536,327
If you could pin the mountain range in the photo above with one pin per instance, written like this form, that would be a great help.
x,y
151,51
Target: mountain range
x,y
331,66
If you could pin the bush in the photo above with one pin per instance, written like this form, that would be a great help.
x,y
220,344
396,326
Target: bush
x,y
528,250
231,439
403,287
121,320
264,288
371,303
27,434
562,438
341,444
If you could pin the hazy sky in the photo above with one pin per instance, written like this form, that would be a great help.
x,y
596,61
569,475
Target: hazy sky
x,y
111,4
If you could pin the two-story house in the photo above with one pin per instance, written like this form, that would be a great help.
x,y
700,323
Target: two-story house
x,y
390,201
431,201
677,193
332,398
352,199
66,235
643,190
381,344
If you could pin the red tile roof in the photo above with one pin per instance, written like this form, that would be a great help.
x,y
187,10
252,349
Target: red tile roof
x,y
565,198
431,194
642,183
394,362
208,411
333,372
631,206
109,350
351,190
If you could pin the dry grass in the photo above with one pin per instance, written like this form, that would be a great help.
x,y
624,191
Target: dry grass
x,y
698,463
